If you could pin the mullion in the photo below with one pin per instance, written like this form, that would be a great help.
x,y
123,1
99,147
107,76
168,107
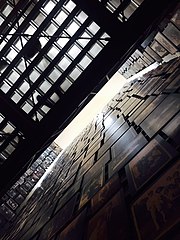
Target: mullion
x,y
37,59
68,70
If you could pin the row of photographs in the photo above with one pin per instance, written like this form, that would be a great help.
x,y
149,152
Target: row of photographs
x,y
97,182
153,213
86,186
163,43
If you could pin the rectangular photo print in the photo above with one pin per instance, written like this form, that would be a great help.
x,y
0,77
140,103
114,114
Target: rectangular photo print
x,y
156,211
75,230
111,222
148,162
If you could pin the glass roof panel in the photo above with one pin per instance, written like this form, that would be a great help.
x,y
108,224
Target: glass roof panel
x,y
57,57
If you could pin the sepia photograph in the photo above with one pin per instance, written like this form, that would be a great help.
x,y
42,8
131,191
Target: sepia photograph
x,y
111,222
156,211
104,194
148,162
91,188
165,43
161,115
158,48
75,230
172,33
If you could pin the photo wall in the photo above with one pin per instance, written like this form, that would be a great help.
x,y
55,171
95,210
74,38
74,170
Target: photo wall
x,y
119,179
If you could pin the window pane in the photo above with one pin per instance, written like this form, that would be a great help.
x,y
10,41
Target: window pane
x,y
72,28
70,6
62,41
11,55
85,62
81,17
53,52
34,75
16,97
61,17
24,87
75,73
51,29
84,42
64,63
45,86
54,97
65,85
54,75
74,51
95,50
27,107
5,87
49,6
13,76
93,28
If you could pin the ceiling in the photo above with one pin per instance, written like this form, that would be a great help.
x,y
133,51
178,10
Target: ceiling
x,y
53,55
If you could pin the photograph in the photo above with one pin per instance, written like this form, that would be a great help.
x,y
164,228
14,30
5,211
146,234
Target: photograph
x,y
153,54
75,230
176,17
111,221
105,193
91,188
158,48
165,43
127,151
161,115
172,129
141,108
85,167
156,211
172,33
148,162
59,220
149,108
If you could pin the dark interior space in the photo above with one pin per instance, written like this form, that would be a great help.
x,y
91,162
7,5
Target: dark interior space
x,y
119,179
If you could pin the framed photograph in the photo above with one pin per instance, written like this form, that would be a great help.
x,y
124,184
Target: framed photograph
x,y
176,17
85,167
133,106
59,220
105,193
74,168
97,167
172,129
170,84
127,152
75,230
91,188
120,121
111,221
172,33
158,48
161,115
156,211
155,101
148,162
165,43
6,212
174,84
67,196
